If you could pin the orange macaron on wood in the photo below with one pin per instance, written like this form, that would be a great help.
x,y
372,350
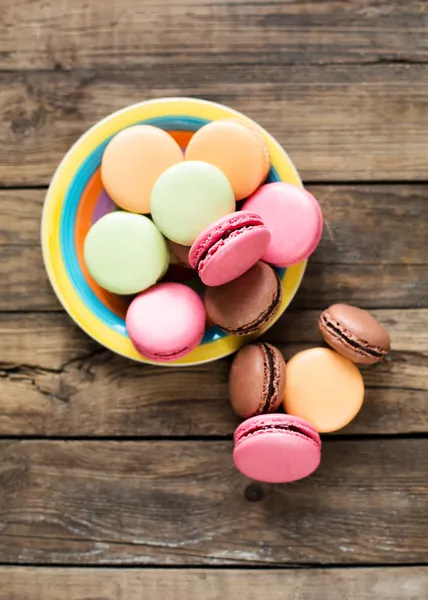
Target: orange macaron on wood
x,y
324,388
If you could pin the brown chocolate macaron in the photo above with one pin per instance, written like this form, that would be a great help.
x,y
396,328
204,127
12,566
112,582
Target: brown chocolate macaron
x,y
257,380
246,304
355,333
180,254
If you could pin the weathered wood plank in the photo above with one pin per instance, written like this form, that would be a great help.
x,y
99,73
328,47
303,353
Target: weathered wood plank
x,y
409,583
337,123
184,503
363,223
45,35
55,381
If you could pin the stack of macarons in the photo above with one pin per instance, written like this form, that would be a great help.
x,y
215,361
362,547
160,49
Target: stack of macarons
x,y
175,206
320,389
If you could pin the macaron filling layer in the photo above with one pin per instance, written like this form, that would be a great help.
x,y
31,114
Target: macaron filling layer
x,y
264,317
292,429
271,374
345,336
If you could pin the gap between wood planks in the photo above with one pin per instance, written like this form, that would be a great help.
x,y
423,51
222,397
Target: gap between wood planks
x,y
281,32
236,63
195,568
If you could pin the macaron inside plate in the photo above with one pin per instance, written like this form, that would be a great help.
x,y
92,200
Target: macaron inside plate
x,y
179,254
125,253
294,219
276,448
246,304
229,247
166,322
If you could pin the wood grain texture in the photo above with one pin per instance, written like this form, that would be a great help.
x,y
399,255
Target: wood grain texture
x,y
46,35
55,381
17,583
366,255
344,88
363,224
165,503
337,123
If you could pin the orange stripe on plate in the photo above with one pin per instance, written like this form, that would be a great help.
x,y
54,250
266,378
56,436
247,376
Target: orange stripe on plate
x,y
182,137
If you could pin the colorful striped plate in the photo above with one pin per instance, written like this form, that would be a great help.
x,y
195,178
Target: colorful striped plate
x,y
75,199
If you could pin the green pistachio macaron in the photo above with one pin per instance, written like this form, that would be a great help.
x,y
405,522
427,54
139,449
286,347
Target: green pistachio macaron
x,y
125,253
188,197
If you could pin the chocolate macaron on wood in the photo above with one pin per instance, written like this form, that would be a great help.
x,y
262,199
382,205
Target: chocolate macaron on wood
x,y
257,380
354,333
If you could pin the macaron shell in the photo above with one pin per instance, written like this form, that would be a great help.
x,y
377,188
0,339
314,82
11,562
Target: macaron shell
x,y
294,219
231,257
133,161
256,384
125,253
276,456
355,333
324,388
189,197
166,322
247,303
237,149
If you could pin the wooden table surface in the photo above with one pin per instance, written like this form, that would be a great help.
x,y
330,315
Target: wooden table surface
x,y
116,479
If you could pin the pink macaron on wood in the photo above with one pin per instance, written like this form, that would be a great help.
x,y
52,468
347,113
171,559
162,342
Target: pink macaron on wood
x,y
166,322
276,448
229,247
294,219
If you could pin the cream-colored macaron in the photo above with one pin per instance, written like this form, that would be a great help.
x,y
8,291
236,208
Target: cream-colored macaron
x,y
236,148
133,161
324,388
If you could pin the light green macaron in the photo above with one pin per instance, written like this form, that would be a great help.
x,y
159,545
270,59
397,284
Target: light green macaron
x,y
125,253
188,197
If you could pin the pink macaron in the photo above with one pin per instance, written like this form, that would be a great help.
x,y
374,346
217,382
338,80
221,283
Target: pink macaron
x,y
276,448
166,322
229,247
294,219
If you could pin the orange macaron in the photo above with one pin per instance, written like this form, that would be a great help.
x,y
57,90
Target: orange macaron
x,y
133,161
236,148
324,388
